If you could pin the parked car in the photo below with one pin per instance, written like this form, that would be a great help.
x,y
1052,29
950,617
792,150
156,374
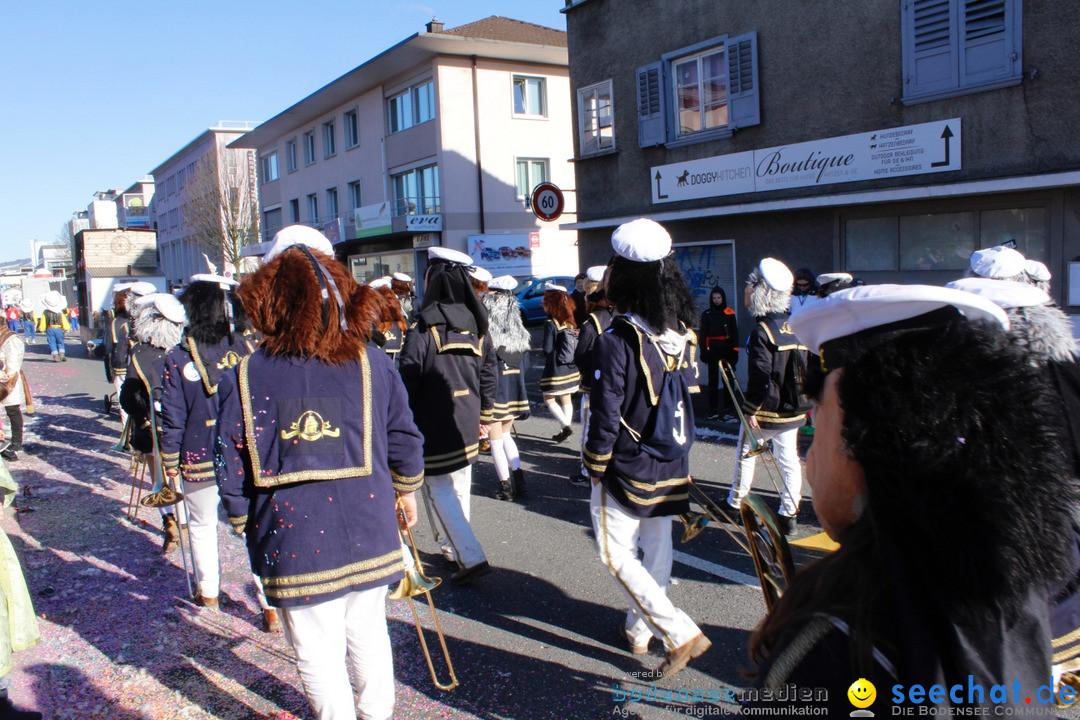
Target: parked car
x,y
530,293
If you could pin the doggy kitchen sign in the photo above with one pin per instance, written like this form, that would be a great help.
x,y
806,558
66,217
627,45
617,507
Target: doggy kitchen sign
x,y
909,150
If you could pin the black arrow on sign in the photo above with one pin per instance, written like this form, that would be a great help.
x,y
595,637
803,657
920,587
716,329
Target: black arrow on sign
x,y
659,195
945,135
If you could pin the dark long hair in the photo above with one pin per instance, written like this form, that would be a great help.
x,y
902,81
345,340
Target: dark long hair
x,y
972,522
559,306
657,291
204,303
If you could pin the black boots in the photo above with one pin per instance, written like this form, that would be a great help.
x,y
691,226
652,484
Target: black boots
x,y
505,491
172,533
519,483
512,488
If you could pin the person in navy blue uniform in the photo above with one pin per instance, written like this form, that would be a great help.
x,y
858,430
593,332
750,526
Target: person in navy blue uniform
x,y
391,326
116,342
597,319
639,436
559,379
213,345
949,538
317,450
448,367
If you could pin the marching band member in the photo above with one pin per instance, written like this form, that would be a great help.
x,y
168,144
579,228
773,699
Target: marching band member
x,y
597,320
158,327
116,343
391,326
560,378
948,537
316,447
511,341
405,290
448,367
213,346
645,369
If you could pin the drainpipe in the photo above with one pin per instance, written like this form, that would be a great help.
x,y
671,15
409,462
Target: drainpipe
x,y
476,142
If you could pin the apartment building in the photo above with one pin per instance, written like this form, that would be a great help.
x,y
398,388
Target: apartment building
x,y
437,141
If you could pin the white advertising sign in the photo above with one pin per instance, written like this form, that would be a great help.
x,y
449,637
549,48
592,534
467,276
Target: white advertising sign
x,y
424,223
910,150
372,220
510,254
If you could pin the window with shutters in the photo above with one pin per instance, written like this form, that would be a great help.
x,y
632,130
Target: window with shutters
x,y
955,47
596,119
702,92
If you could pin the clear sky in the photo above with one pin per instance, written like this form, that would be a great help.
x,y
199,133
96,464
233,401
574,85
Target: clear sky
x,y
94,96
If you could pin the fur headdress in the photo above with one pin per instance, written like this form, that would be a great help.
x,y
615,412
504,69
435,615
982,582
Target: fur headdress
x,y
401,288
205,306
284,301
153,328
504,322
764,300
390,312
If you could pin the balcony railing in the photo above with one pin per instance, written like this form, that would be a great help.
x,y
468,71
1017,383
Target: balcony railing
x,y
426,205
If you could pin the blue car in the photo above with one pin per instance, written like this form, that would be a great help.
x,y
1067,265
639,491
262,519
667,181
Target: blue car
x,y
530,294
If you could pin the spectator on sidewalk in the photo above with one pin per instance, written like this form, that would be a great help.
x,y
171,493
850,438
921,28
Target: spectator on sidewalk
x,y
73,317
12,314
719,337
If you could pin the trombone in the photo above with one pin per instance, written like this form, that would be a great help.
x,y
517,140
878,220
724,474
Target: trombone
x,y
414,583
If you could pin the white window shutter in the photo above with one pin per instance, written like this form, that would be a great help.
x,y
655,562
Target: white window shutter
x,y
930,37
652,128
989,41
744,102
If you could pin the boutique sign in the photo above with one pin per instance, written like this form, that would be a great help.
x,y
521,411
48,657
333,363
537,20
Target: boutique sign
x,y
910,150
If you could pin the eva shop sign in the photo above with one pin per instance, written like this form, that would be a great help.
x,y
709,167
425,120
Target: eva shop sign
x,y
910,150
424,223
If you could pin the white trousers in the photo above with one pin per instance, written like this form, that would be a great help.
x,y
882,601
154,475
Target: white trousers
x,y
338,638
643,581
786,452
450,496
202,501
118,381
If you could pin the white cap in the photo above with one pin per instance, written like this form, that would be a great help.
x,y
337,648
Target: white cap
x,y
641,240
1037,271
826,278
596,272
54,301
480,274
26,305
454,256
852,311
552,286
775,274
121,287
380,283
292,235
997,262
1003,293
503,282
167,306
142,288
221,280
402,277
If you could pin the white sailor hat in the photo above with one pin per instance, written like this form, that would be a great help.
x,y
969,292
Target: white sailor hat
x,y
121,287
1037,271
826,278
596,272
221,280
775,274
448,255
553,286
997,262
292,235
480,274
849,320
142,288
1003,293
166,305
402,277
380,283
54,301
641,240
503,282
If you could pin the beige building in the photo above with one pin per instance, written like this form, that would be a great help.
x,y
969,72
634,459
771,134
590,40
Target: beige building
x,y
105,257
439,140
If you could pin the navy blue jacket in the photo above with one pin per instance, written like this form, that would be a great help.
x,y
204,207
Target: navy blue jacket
x,y
145,370
767,350
309,457
629,371
597,322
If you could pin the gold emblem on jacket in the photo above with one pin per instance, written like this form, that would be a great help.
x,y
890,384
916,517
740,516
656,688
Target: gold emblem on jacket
x,y
231,360
310,427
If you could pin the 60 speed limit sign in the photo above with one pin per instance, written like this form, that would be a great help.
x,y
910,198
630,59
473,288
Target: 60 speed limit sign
x,y
547,201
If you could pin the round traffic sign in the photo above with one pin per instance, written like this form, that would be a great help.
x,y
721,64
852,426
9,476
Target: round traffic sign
x,y
547,201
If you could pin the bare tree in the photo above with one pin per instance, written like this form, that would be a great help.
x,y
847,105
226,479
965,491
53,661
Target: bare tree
x,y
221,210
66,238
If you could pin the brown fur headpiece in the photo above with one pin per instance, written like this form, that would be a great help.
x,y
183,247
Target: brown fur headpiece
x,y
283,299
390,313
400,287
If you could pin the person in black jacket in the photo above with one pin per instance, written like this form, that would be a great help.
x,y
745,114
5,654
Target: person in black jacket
x,y
719,336
597,321
560,378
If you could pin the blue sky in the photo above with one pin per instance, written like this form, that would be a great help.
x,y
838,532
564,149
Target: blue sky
x,y
95,96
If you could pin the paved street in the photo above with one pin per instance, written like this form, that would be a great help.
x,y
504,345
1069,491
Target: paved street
x,y
537,638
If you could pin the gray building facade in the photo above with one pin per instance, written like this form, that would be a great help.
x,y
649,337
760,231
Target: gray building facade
x,y
885,139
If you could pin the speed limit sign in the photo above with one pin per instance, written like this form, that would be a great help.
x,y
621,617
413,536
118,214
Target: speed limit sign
x,y
547,201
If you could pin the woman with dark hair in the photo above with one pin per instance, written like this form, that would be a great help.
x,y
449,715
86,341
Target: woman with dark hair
x,y
640,433
213,345
318,459
948,537
560,378
511,341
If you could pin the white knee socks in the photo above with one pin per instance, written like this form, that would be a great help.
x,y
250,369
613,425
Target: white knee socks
x,y
558,412
511,451
498,458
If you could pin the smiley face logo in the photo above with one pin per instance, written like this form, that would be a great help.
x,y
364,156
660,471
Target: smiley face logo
x,y
862,693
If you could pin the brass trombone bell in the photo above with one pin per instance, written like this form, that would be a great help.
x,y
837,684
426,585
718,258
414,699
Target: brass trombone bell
x,y
414,583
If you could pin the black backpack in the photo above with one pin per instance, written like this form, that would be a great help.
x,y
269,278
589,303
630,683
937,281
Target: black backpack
x,y
669,432
565,345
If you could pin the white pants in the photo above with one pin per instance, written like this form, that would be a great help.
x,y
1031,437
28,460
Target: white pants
x,y
118,381
643,581
337,638
786,452
450,496
202,501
